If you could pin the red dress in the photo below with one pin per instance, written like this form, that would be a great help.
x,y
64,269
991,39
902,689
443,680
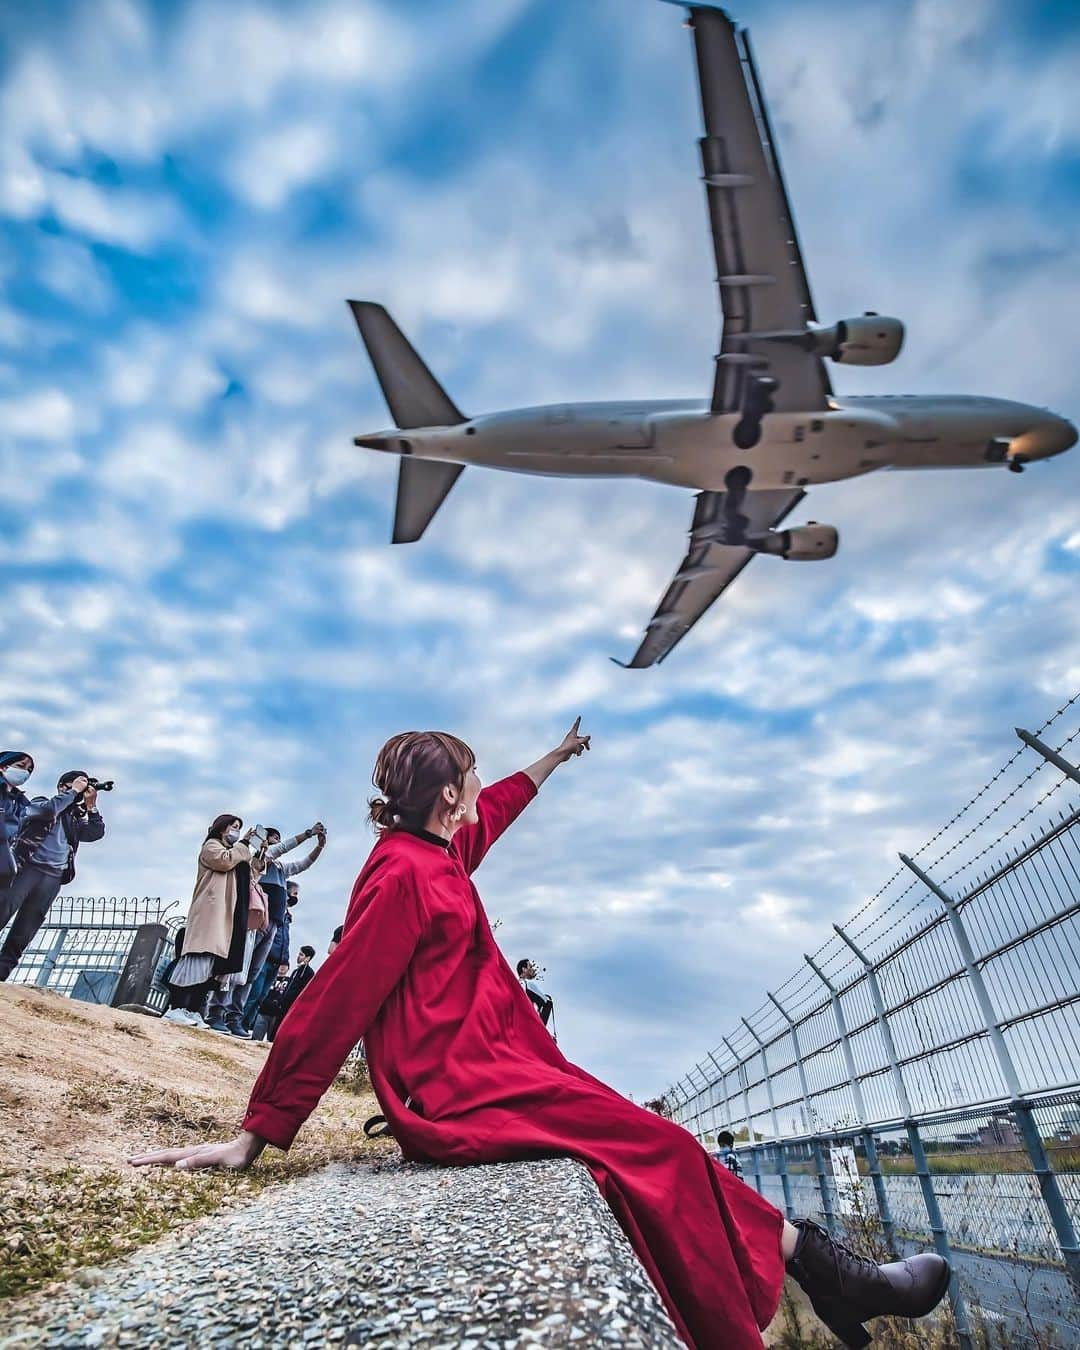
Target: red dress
x,y
466,1073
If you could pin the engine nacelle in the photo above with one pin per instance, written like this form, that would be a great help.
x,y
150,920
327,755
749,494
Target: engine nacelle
x,y
870,340
802,543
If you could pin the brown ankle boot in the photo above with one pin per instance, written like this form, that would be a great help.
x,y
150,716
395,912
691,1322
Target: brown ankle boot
x,y
847,1290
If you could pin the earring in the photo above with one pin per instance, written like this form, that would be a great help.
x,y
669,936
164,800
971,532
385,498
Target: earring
x,y
459,812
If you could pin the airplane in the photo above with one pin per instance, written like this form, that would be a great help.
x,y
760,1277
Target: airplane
x,y
773,426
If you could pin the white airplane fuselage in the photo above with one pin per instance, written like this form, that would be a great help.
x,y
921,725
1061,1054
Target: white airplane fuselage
x,y
680,442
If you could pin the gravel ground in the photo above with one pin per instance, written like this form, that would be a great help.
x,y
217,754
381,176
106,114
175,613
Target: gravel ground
x,y
378,1256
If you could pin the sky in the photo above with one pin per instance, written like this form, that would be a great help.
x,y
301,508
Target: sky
x,y
197,592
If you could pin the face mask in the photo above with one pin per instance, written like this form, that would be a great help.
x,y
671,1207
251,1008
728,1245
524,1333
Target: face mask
x,y
231,836
16,777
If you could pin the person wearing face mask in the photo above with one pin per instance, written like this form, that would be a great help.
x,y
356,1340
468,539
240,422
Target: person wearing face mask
x,y
16,766
216,931
45,847
229,1004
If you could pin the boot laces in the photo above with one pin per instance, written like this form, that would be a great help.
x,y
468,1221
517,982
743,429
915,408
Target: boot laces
x,y
864,1265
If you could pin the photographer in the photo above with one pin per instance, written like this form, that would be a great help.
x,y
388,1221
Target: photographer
x,y
228,1003
16,766
216,933
45,848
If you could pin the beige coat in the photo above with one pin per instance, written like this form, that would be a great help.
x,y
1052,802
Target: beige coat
x,y
210,918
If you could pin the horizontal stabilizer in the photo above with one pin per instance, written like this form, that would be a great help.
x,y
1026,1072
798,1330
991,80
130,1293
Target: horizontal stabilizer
x,y
413,394
423,485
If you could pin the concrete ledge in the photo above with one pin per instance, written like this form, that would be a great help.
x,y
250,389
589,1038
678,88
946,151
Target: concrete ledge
x,y
380,1256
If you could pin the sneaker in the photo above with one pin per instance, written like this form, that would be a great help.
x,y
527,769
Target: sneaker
x,y
180,1015
197,1021
240,1032
219,1027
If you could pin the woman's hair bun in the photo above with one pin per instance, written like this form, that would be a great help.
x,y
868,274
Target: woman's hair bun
x,y
381,813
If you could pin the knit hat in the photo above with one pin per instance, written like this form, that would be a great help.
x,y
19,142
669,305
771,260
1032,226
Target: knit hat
x,y
70,776
11,756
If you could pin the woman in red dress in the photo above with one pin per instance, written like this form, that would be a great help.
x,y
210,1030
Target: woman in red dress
x,y
466,1073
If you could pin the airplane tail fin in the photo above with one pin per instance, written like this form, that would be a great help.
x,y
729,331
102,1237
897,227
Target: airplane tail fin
x,y
413,394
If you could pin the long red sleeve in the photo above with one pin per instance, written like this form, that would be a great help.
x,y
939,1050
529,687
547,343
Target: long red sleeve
x,y
498,806
334,1012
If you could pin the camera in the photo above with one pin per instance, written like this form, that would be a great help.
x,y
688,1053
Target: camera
x,y
99,786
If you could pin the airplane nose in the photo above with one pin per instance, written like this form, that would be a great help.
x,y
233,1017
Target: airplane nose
x,y
1051,436
1066,434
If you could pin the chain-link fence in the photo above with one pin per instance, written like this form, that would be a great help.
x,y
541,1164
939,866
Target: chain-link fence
x,y
86,946
923,1067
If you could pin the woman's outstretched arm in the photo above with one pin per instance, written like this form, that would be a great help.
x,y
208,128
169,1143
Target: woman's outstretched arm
x,y
499,805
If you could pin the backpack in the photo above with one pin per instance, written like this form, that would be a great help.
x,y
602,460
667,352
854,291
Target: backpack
x,y
258,909
33,833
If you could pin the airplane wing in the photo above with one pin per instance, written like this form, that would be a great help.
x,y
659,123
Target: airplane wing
x,y
709,567
760,273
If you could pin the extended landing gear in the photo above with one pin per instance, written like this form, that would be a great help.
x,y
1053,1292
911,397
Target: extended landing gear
x,y
736,482
758,398
997,452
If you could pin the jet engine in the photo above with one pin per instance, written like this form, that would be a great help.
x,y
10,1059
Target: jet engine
x,y
802,543
870,340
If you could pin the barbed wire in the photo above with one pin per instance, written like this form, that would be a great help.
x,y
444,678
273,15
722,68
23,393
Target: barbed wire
x,y
1042,764
991,781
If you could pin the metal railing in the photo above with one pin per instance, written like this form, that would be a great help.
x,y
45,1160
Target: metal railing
x,y
924,1065
83,947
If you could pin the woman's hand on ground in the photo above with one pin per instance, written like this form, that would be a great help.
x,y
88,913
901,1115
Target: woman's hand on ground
x,y
573,743
235,1155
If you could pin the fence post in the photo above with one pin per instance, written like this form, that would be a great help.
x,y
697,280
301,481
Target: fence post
x,y
815,1141
713,1107
740,1070
784,1182
1040,1163
872,1162
1070,770
883,1025
860,1106
1023,1111
48,965
918,1153
974,974
845,1043
941,1237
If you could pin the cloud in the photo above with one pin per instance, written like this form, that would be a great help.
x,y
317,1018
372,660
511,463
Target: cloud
x,y
45,415
268,169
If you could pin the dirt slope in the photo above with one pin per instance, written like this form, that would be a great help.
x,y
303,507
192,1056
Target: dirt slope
x,y
82,1087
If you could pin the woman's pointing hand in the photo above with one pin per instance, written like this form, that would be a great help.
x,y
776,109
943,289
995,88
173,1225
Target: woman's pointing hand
x,y
573,743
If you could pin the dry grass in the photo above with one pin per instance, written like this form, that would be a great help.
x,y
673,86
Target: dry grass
x,y
84,1087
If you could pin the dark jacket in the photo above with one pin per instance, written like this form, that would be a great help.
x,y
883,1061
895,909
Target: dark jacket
x,y
279,950
14,804
80,827
298,982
